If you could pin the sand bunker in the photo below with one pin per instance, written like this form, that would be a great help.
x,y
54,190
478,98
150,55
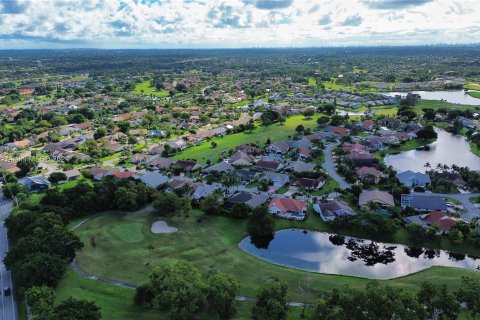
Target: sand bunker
x,y
162,227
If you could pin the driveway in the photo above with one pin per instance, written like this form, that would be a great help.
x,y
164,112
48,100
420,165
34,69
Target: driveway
x,y
329,166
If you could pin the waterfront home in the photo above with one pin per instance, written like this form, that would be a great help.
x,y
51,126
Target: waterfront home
x,y
384,199
411,179
288,208
423,202
332,210
443,221
365,173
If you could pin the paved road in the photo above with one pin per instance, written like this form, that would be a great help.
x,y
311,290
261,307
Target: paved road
x,y
8,304
329,166
470,210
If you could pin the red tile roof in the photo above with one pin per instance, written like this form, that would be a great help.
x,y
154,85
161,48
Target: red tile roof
x,y
288,205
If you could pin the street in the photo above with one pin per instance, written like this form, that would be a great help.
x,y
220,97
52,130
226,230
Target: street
x,y
9,305
329,166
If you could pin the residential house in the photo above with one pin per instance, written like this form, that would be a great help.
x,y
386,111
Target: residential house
x,y
249,199
152,179
411,179
204,190
98,173
384,199
223,167
304,153
361,158
364,173
278,179
288,208
268,165
423,202
332,210
443,221
300,166
35,183
240,159
308,183
279,147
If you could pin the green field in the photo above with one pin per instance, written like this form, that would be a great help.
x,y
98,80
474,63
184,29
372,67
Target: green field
x,y
212,246
312,82
472,86
259,135
474,94
144,88
475,149
129,232
437,104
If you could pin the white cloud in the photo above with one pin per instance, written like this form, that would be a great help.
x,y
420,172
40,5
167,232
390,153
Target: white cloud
x,y
234,23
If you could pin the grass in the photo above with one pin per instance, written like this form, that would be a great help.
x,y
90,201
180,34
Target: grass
x,y
407,146
129,232
474,94
144,88
212,246
475,199
472,86
475,149
437,104
259,135
312,82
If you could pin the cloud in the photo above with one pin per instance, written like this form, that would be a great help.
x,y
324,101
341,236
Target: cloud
x,y
394,4
13,7
352,21
313,9
325,20
270,4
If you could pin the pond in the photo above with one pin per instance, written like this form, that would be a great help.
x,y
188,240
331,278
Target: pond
x,y
452,96
333,254
448,149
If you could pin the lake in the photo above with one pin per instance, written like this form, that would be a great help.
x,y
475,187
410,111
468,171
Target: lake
x,y
333,254
448,149
452,96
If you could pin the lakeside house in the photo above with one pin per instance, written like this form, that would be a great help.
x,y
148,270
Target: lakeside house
x,y
288,208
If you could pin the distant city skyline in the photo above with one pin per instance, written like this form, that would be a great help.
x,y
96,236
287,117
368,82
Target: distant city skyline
x,y
235,23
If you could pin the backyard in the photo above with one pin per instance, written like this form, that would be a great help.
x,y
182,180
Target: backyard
x,y
259,135
144,88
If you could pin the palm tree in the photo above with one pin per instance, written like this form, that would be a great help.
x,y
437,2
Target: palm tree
x,y
427,165
439,166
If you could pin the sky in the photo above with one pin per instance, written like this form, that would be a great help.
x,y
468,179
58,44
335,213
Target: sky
x,y
235,23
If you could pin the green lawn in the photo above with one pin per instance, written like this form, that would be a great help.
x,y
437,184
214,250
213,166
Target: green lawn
x,y
475,149
474,94
407,146
259,135
144,88
437,104
129,232
212,246
312,82
472,86
475,199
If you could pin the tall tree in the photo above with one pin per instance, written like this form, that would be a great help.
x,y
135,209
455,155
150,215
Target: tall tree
x,y
220,292
73,309
271,301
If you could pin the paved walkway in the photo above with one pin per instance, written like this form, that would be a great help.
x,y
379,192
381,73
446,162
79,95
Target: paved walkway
x,y
329,166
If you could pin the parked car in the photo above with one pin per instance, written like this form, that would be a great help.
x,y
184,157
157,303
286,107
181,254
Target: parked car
x,y
7,291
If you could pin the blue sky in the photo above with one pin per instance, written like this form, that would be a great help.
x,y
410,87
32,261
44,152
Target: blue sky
x,y
235,23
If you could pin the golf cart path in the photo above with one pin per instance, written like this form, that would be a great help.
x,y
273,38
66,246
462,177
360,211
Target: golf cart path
x,y
84,274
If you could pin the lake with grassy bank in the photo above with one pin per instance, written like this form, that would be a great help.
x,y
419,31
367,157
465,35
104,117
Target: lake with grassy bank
x,y
452,96
448,149
334,254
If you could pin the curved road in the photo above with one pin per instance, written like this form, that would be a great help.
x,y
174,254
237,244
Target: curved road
x,y
329,166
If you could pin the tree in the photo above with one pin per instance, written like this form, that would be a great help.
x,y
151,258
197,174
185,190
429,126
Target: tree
x,y
438,301
144,295
220,293
212,204
73,309
456,236
271,301
178,289
168,203
300,128
100,133
124,126
260,223
27,164
41,300
308,113
125,199
11,189
416,233
323,121
428,132
239,210
39,269
213,144
56,177
469,293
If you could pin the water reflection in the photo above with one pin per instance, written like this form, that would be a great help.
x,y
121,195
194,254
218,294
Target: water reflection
x,y
334,254
445,150
452,96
